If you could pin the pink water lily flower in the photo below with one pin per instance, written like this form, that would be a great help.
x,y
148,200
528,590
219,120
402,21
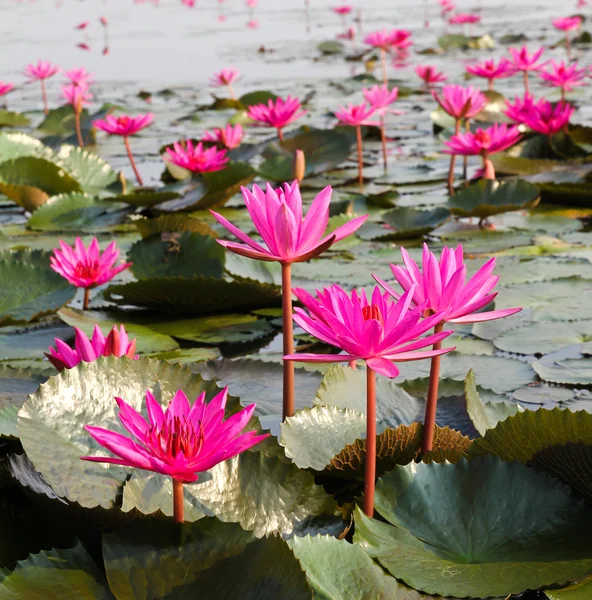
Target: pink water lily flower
x,y
228,136
287,235
565,77
441,286
124,125
5,88
343,9
520,108
547,119
489,70
379,39
377,330
380,98
76,95
400,39
525,62
79,77
116,343
461,19
429,75
82,26
40,72
461,102
197,159
567,23
349,34
225,78
181,441
277,113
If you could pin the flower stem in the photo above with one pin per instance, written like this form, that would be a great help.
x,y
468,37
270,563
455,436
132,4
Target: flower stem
x,y
383,63
432,400
562,94
568,46
465,157
453,162
280,134
360,157
178,505
288,334
44,95
370,470
525,76
78,129
383,140
132,161
488,168
231,92
86,300
490,86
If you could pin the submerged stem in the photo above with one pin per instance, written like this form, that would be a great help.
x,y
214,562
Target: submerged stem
x,y
288,335
370,469
432,400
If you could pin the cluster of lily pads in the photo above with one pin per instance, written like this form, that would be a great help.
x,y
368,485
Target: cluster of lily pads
x,y
500,505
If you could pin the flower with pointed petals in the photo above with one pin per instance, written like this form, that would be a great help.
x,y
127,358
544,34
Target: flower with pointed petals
x,y
288,237
548,119
567,23
442,287
461,102
5,88
224,77
180,442
124,125
116,343
277,113
196,159
42,70
380,98
343,9
563,76
523,61
484,141
378,330
399,39
379,39
490,71
429,74
82,26
76,95
349,34
86,267
461,19
354,114
520,108
230,137
79,77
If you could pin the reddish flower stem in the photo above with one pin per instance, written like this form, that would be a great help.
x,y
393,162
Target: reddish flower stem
x,y
383,140
568,46
78,128
562,94
288,334
132,161
370,470
360,157
453,162
44,96
383,63
525,76
432,400
231,92
178,504
490,85
280,134
86,300
465,157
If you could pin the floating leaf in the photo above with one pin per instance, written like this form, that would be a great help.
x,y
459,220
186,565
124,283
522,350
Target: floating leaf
x,y
9,118
577,591
173,223
409,222
89,170
145,197
330,47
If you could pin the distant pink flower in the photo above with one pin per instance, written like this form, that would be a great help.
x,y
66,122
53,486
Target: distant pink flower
x,y
5,88
197,159
490,71
277,113
79,76
252,24
441,286
251,3
124,125
350,34
83,46
355,114
344,9
228,136
76,95
567,23
523,61
430,75
461,19
86,267
447,7
224,77
399,39
563,76
581,4
379,39
377,330
288,237
548,119
520,108
182,441
115,344
104,21
380,98
82,26
461,102
42,70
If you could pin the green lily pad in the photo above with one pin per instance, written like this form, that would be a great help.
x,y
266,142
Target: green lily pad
x,y
171,224
578,591
89,170
566,193
330,47
557,368
519,165
410,223
145,197
9,118
582,136
17,145
256,97
487,198
493,529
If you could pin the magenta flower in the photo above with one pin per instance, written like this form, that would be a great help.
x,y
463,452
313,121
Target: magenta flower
x,y
379,97
386,40
563,76
181,441
399,39
40,72
378,331
461,102
196,159
277,113
379,39
288,236
115,344
441,286
86,267
461,19
548,119
5,88
76,95
126,126
225,78
229,136
82,26
79,77
349,34
430,75
567,23
343,9
490,71
519,110
525,62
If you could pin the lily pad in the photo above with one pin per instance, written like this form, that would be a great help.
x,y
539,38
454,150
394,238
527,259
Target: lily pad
x,y
577,591
410,223
89,170
9,118
173,223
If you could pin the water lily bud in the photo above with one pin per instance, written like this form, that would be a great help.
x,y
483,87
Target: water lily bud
x,y
299,165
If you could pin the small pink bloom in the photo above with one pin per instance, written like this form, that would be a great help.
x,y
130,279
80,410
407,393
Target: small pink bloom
x,y
288,237
79,77
489,70
354,114
567,23
350,34
447,7
180,442
277,113
399,39
251,3
252,24
86,267
548,119
104,21
380,98
76,95
429,74
521,108
196,159
83,25
461,19
5,88
224,77
461,102
83,46
124,125
115,344
42,70
581,4
378,330
566,77
228,136
385,40
484,141
523,61
344,9
441,286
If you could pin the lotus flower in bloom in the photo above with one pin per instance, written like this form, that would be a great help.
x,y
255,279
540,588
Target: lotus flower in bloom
x,y
490,71
379,39
225,78
461,19
399,38
344,9
376,330
181,441
116,343
521,107
461,102
525,62
563,76
197,159
228,136
42,70
567,23
380,98
124,125
288,236
277,113
79,77
5,88
548,119
86,267
354,114
441,286
76,95
430,75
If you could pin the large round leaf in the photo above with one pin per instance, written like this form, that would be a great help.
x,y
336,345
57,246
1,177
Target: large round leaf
x,y
409,222
50,423
579,591
477,528
173,223
89,170
15,145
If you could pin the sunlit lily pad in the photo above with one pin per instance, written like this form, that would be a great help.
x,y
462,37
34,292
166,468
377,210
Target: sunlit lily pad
x,y
409,223
9,118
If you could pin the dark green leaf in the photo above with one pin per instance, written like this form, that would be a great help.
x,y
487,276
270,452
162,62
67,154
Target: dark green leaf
x,y
409,222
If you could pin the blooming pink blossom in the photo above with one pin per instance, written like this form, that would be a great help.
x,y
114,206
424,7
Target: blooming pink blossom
x,y
380,98
228,136
378,330
442,287
567,23
350,34
460,102
197,159
563,76
523,61
354,114
483,142
79,76
5,88
447,6
115,344
287,236
86,267
104,21
82,26
76,95
343,9
399,38
252,24
548,119
461,19
521,107
379,39
224,77
277,113
429,74
180,442
124,125
490,71
42,70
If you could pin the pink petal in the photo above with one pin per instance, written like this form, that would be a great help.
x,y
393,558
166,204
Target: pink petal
x,y
486,316
383,366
